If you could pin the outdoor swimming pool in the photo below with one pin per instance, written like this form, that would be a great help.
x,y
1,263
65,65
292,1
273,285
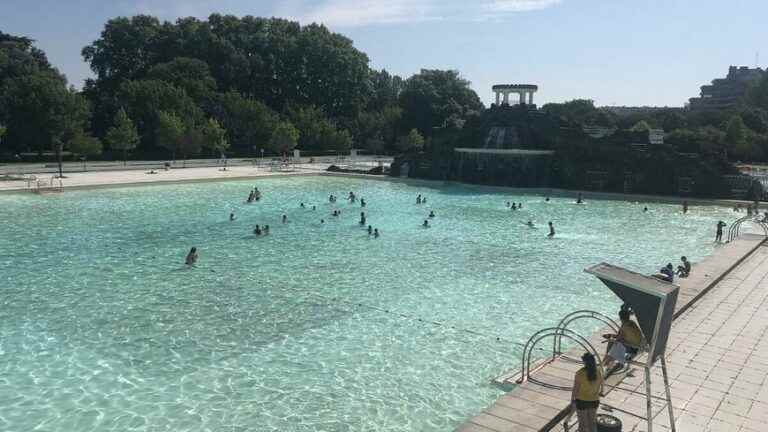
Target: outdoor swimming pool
x,y
102,328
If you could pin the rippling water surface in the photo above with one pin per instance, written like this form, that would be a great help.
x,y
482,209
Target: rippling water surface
x,y
103,329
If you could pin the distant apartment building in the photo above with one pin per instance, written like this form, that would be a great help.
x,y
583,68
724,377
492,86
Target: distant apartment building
x,y
726,92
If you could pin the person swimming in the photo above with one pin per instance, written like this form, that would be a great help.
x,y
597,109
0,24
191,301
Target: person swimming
x,y
331,198
551,230
256,194
425,224
418,199
508,204
431,213
519,206
351,197
375,233
250,197
257,230
285,219
231,216
362,202
314,208
370,229
424,200
362,218
191,257
645,209
685,207
301,205
546,199
514,206
322,221
266,229
530,224
579,199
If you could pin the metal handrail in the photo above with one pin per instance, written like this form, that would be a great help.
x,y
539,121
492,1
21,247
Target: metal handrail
x,y
577,315
735,229
551,332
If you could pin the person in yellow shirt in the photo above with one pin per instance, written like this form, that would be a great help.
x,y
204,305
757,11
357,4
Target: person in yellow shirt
x,y
585,397
627,341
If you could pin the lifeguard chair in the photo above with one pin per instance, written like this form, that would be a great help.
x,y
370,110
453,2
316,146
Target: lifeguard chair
x,y
653,303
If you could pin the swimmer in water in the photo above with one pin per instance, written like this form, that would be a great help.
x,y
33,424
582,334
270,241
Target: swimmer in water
x,y
685,207
418,199
266,229
424,200
285,219
370,229
257,230
645,209
546,199
322,221
551,230
579,200
425,224
231,216
507,203
514,206
530,224
375,233
256,194
301,205
314,208
191,257
362,218
431,214
362,202
519,206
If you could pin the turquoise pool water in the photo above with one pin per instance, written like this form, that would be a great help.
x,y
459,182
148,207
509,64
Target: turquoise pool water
x,y
102,328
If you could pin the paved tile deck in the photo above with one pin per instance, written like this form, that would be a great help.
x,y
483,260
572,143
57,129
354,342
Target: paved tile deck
x,y
712,338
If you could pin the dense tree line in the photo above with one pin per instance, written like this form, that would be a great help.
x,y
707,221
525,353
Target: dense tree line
x,y
738,134
266,83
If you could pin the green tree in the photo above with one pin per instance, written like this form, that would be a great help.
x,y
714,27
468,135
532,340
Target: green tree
x,y
284,138
85,145
411,142
248,122
430,97
736,137
340,141
169,132
191,141
215,137
123,135
641,126
757,94
189,74
144,99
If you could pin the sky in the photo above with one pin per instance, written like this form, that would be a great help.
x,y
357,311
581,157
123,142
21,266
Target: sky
x,y
616,52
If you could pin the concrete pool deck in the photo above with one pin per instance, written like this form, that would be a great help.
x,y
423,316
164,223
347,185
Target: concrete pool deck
x,y
94,179
717,373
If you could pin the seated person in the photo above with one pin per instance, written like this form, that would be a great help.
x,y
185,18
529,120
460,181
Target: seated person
x,y
666,273
685,269
625,344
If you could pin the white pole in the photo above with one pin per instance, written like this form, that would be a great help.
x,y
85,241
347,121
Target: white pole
x,y
649,408
669,394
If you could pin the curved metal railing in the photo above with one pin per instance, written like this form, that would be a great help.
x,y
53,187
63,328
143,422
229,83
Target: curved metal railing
x,y
553,332
735,229
557,346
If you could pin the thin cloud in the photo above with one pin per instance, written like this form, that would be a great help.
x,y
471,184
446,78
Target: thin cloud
x,y
357,13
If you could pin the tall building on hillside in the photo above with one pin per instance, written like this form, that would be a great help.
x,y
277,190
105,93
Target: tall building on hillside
x,y
726,92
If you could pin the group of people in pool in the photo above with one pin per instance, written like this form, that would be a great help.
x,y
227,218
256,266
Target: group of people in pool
x,y
255,195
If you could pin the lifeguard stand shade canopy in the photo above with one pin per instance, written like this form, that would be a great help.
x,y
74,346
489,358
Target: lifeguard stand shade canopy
x,y
652,300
